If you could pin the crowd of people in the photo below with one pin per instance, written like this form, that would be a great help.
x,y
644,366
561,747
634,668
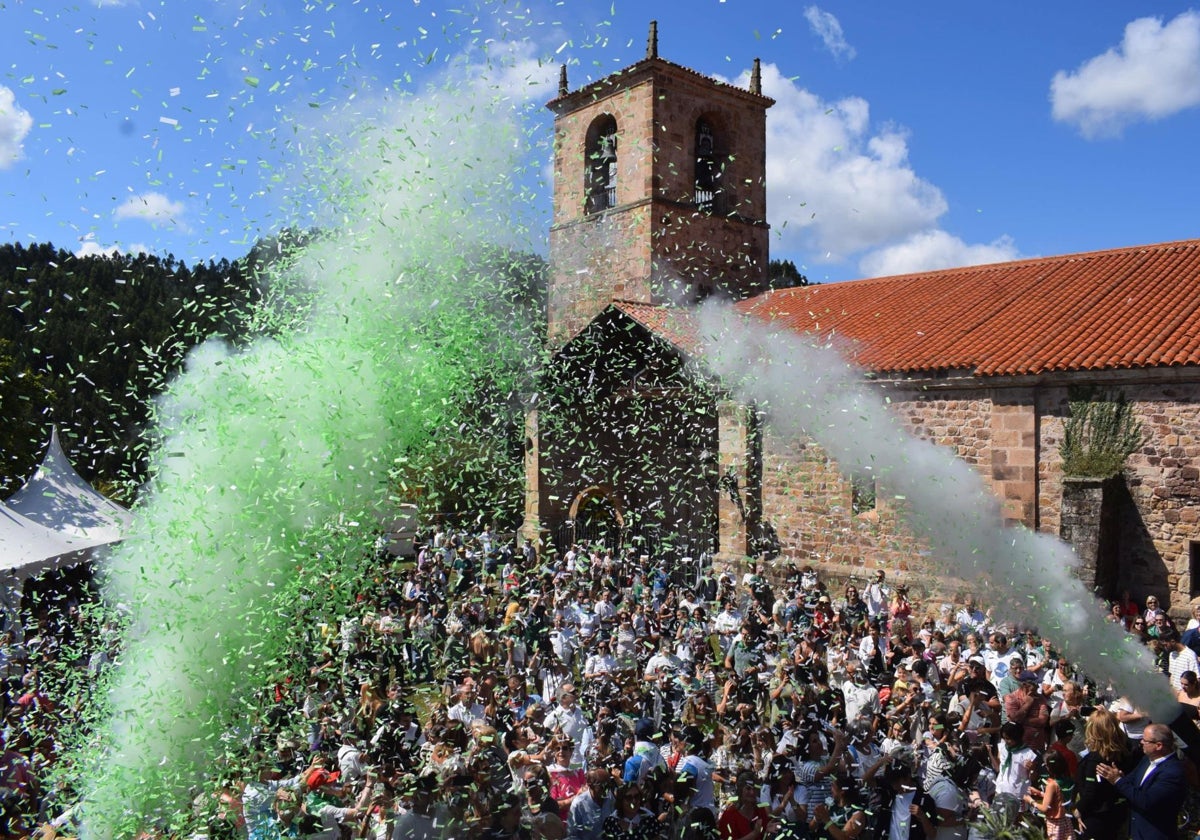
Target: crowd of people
x,y
489,691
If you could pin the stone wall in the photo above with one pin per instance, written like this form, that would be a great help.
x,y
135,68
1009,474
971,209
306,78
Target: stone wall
x,y
809,502
1011,436
654,239
1164,484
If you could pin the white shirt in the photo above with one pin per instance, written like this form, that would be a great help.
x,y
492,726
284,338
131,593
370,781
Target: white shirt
x,y
600,663
1150,769
588,624
662,663
1133,728
727,622
563,642
860,699
552,681
573,724
866,649
1180,661
467,714
876,597
997,663
705,796
899,829
1013,776
350,765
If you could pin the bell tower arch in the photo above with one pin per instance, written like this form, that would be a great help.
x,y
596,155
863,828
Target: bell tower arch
x,y
659,190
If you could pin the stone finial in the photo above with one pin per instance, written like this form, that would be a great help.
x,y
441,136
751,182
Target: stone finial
x,y
652,41
755,77
562,80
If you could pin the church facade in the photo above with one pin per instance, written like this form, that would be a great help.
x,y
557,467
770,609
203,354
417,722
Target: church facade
x,y
660,201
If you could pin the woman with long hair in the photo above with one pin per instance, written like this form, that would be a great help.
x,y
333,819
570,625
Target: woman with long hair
x,y
783,796
1101,812
900,614
744,818
1053,799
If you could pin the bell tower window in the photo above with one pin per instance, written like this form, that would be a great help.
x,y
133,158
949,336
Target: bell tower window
x,y
708,170
601,165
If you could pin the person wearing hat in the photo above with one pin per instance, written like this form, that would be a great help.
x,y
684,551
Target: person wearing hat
x,y
1030,709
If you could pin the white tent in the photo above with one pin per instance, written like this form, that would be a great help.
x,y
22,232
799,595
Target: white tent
x,y
56,520
28,548
59,499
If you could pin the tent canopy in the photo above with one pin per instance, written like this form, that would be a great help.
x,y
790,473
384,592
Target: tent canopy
x,y
56,518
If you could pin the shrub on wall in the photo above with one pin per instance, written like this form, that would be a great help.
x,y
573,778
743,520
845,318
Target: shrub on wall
x,y
1098,436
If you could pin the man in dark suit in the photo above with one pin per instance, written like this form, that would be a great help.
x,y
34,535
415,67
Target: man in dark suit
x,y
1156,788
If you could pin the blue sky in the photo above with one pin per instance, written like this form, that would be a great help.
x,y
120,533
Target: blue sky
x,y
901,140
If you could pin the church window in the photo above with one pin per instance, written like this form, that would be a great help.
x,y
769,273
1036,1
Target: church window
x,y
602,165
708,169
863,493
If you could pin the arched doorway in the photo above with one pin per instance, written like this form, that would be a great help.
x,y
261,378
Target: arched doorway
x,y
597,517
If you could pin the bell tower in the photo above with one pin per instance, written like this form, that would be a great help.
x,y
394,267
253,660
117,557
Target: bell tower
x,y
659,190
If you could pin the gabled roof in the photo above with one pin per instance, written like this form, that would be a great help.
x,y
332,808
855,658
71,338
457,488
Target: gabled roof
x,y
671,324
1125,308
634,73
55,518
28,548
58,498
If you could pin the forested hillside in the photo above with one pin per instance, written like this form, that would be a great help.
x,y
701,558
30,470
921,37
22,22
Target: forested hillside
x,y
85,342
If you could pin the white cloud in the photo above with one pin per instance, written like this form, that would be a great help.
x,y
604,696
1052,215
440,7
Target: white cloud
x,y
89,247
1155,72
514,70
834,187
829,30
153,207
930,250
838,188
15,123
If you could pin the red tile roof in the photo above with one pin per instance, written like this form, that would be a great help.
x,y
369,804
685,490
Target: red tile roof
x,y
1126,308
669,323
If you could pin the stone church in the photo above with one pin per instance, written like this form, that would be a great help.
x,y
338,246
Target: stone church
x,y
660,202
